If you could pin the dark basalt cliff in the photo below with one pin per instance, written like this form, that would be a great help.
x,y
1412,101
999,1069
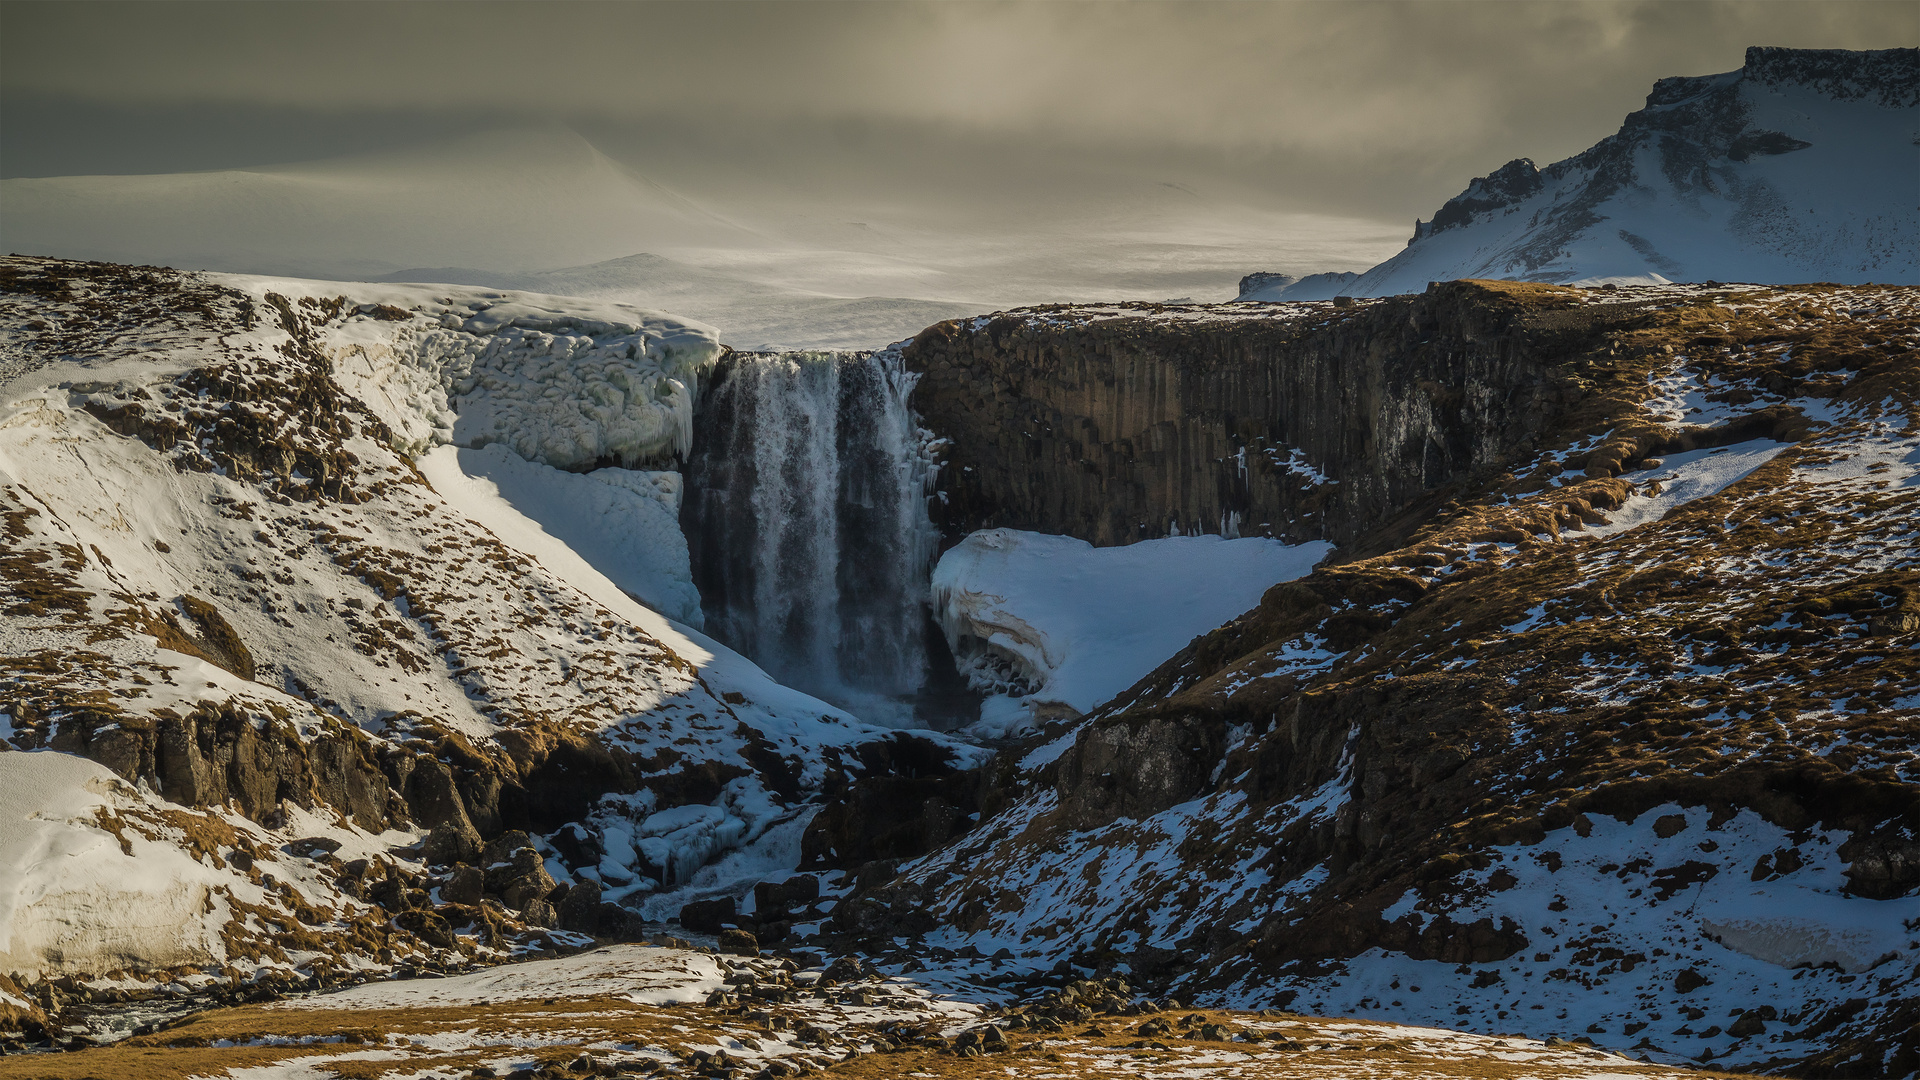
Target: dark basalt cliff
x,y
1485,738
1313,423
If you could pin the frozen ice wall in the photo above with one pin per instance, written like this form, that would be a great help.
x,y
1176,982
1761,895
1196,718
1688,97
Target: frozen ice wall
x,y
806,514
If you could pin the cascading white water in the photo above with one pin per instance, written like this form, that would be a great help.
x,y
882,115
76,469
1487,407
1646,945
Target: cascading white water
x,y
807,520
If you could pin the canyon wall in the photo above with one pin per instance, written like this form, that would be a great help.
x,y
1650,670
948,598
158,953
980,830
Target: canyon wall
x,y
1303,422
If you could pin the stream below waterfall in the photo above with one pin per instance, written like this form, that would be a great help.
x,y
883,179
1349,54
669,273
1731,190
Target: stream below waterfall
x,y
806,521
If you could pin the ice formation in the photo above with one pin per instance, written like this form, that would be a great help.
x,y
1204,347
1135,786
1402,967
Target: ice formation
x,y
561,382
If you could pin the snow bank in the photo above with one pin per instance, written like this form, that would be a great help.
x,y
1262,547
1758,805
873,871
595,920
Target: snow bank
x,y
642,974
1798,927
73,898
1681,478
1055,620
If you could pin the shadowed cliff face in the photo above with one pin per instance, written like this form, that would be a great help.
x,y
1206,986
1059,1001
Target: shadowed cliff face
x,y
1298,421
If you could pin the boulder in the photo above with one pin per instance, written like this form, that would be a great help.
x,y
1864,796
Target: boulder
x,y
452,842
579,909
772,900
534,883
539,913
708,916
466,885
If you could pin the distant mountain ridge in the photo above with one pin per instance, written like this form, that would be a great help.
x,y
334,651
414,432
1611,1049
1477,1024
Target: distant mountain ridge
x,y
1800,166
1268,287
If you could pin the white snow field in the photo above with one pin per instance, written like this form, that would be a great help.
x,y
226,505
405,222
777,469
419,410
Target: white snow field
x,y
1054,621
1782,172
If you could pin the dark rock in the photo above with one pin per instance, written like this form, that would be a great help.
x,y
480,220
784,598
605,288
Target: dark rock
x,y
619,923
708,916
1689,980
849,969
770,899
390,892
466,885
522,891
579,909
538,912
1123,429
738,943
450,843
1136,767
219,754
427,926
501,848
910,801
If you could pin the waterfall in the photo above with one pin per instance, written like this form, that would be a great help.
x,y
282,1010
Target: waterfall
x,y
806,518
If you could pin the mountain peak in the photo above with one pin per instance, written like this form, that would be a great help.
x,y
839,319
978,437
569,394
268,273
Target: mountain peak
x,y
1797,167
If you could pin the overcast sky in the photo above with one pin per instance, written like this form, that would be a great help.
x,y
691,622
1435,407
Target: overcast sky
x,y
1380,110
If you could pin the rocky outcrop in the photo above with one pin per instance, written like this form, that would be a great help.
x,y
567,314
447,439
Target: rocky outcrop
x,y
1139,421
218,754
909,799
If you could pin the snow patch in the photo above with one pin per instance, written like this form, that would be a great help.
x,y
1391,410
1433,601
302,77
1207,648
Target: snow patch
x,y
1055,620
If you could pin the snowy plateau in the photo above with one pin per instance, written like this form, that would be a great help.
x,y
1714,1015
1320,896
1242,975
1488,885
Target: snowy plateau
x,y
1461,677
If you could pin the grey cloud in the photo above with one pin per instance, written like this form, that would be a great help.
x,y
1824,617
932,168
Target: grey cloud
x,y
1381,108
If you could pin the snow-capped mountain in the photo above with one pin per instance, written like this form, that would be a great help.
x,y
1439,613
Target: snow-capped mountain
x,y
1804,165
